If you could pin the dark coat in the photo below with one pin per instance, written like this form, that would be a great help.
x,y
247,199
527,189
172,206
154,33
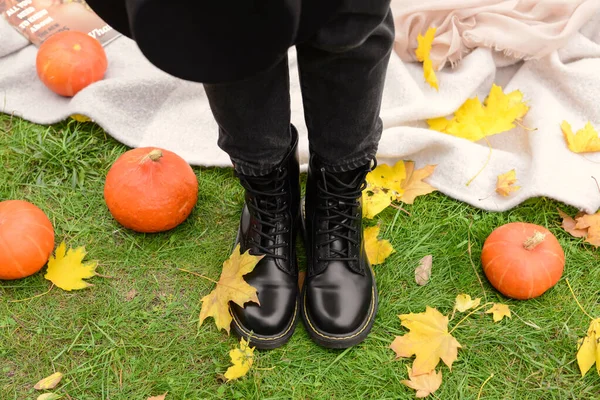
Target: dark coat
x,y
215,41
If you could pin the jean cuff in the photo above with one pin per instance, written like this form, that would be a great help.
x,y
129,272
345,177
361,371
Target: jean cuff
x,y
248,169
348,164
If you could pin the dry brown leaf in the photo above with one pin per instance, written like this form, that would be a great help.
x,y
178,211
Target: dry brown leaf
x,y
161,397
569,223
413,185
424,384
423,271
301,277
592,224
131,294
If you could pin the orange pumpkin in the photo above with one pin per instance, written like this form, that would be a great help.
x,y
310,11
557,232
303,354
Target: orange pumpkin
x,y
150,190
522,260
26,239
69,61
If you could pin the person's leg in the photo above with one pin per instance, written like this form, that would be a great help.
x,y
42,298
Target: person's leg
x,y
254,119
254,129
342,73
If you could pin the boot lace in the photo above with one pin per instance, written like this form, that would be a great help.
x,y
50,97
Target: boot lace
x,y
340,201
268,208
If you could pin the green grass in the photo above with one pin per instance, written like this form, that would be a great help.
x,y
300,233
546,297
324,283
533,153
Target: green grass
x,y
112,348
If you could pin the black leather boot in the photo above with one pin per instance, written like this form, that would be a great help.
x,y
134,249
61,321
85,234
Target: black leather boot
x,y
269,224
339,297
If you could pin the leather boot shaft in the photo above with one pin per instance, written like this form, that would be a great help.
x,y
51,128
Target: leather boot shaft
x,y
268,226
339,297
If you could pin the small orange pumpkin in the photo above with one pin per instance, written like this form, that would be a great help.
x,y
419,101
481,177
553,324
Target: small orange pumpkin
x,y
522,260
150,190
69,61
26,239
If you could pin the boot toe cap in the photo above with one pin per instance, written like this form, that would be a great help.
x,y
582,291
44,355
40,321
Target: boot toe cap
x,y
273,317
339,307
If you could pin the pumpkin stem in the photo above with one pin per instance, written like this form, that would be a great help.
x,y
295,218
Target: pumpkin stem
x,y
532,242
154,155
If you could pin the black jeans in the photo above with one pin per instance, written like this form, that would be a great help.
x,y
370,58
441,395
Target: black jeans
x,y
342,73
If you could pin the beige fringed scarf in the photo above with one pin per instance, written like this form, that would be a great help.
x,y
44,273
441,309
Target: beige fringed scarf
x,y
520,29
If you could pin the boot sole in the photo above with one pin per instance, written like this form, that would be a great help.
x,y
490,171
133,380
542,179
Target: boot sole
x,y
337,341
265,342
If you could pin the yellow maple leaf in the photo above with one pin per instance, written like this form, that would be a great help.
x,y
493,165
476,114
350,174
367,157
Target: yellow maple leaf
x,y
377,250
474,121
502,110
66,269
384,183
584,141
588,352
49,382
591,222
499,311
463,302
374,201
388,177
428,340
413,184
424,384
242,358
423,54
230,287
81,118
505,183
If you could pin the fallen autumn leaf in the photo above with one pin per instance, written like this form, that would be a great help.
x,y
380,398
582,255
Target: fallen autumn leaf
x,y
423,52
242,358
499,311
49,382
463,302
428,340
423,271
377,250
67,270
506,183
474,121
424,384
230,287
584,140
